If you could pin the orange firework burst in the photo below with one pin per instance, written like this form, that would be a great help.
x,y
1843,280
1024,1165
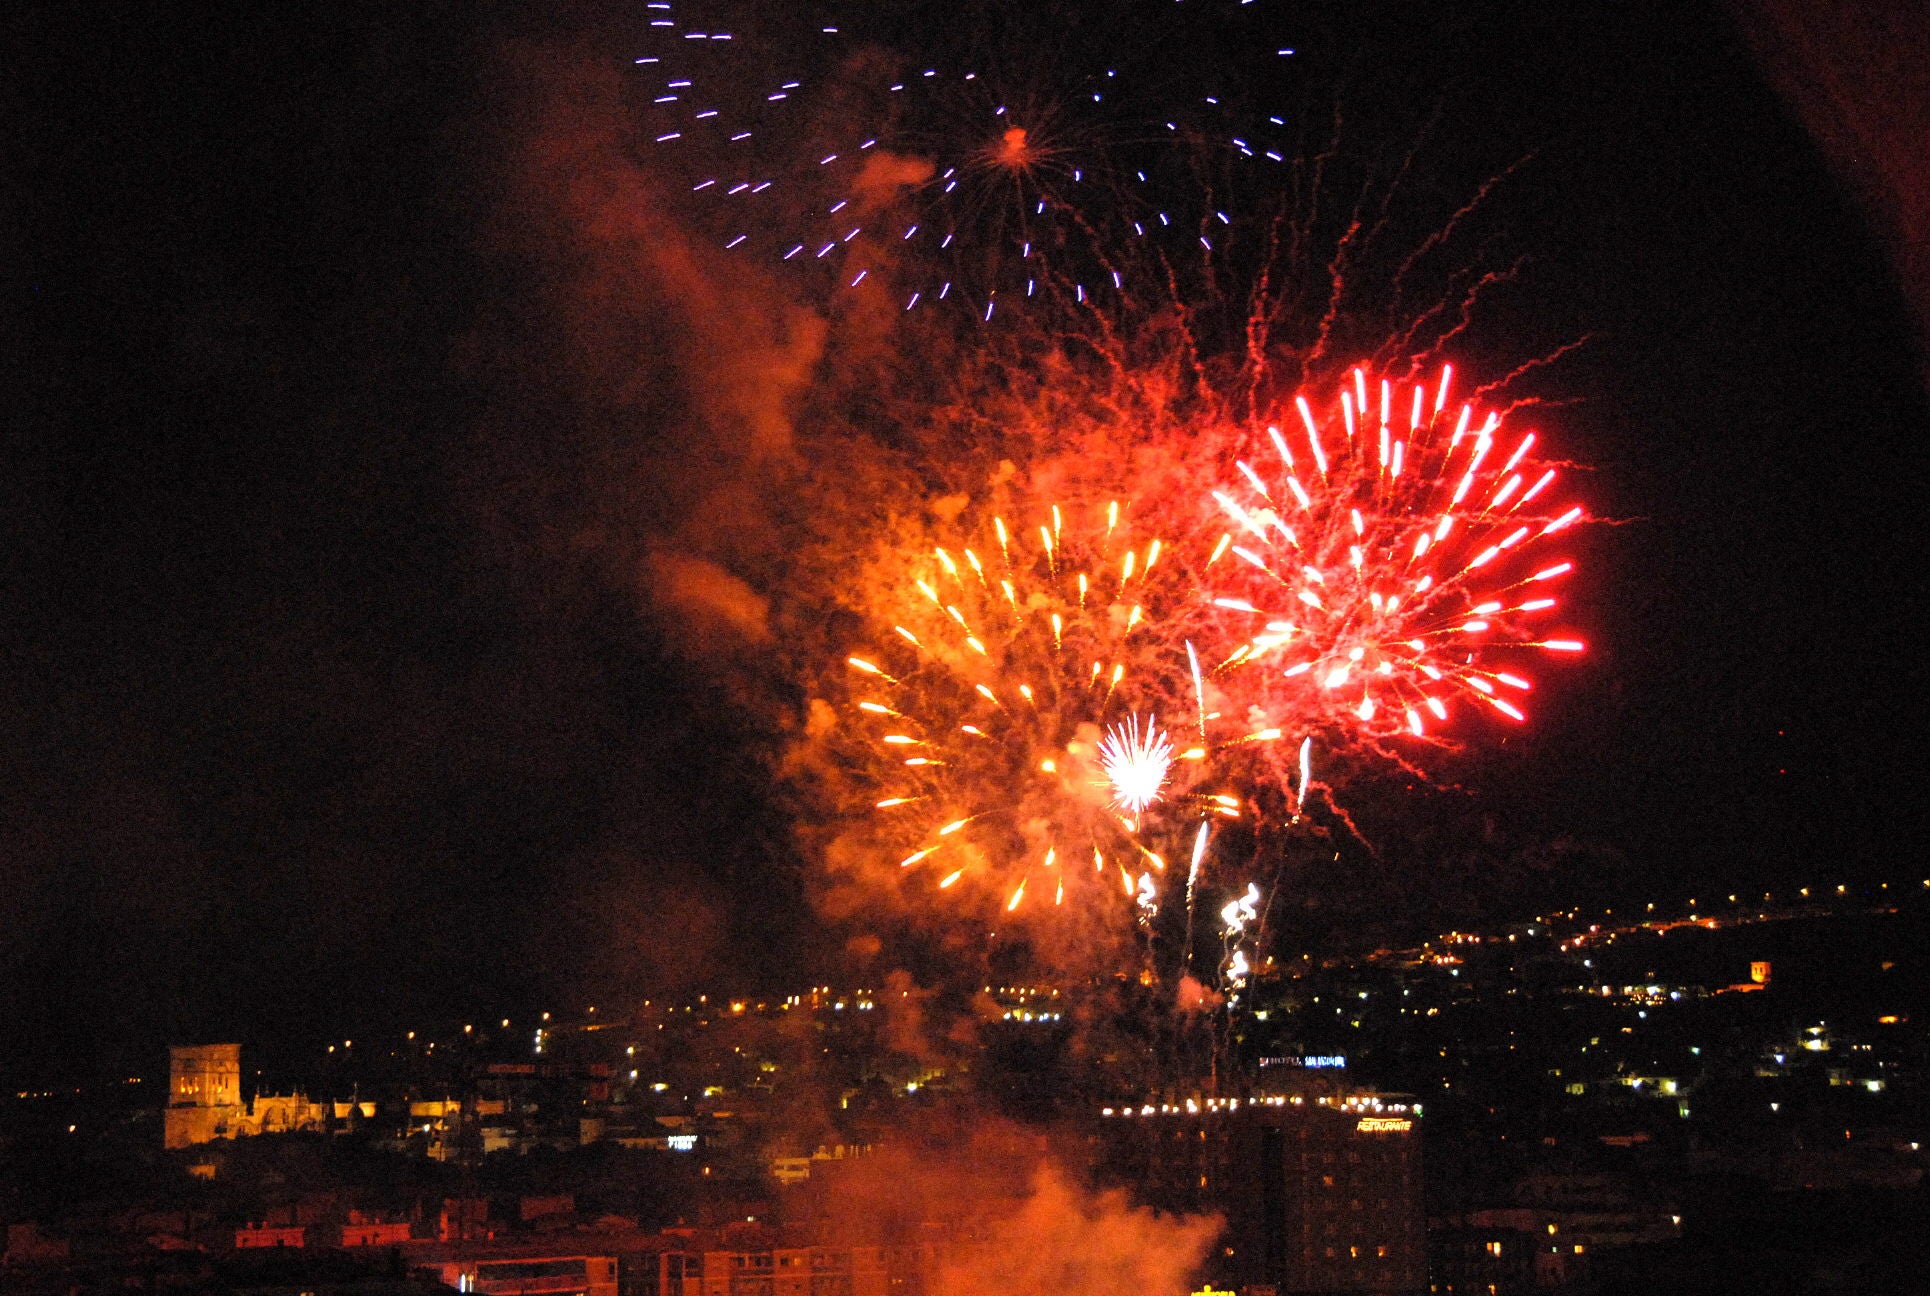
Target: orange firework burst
x,y
1389,558
1015,708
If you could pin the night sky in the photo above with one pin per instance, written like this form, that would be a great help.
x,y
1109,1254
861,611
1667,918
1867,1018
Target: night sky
x,y
335,700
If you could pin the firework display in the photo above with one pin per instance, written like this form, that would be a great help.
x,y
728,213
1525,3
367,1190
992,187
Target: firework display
x,y
1054,701
1388,559
1027,713
1050,690
1042,696
867,144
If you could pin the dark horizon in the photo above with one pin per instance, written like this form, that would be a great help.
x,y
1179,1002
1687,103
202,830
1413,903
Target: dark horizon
x,y
332,705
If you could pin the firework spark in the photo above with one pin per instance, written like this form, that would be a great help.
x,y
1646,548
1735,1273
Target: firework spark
x,y
1388,560
1136,762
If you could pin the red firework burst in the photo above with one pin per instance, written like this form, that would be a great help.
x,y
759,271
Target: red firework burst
x,y
1389,558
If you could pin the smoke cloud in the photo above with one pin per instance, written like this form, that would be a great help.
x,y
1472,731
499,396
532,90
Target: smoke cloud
x,y
1064,1241
708,603
1018,1214
675,375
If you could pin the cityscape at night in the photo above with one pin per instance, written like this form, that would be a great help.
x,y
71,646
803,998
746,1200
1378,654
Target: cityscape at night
x,y
882,648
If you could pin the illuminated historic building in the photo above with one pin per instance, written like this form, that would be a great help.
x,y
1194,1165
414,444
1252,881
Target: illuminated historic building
x,y
204,1100
204,1092
1319,1194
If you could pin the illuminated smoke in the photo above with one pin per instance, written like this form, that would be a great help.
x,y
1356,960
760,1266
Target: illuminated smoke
x,y
1066,1242
1035,1228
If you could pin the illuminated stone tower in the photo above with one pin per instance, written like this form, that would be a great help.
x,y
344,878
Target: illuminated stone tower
x,y
204,1092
